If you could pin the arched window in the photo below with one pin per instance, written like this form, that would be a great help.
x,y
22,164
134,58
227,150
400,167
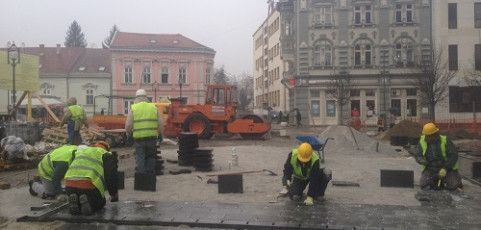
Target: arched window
x,y
404,52
323,54
363,53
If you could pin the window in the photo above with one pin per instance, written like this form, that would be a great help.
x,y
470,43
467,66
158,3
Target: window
x,y
363,53
370,93
367,54
355,92
207,75
403,53
461,99
453,57
128,74
315,93
404,13
357,55
411,92
127,104
411,109
315,108
47,91
164,75
477,56
330,108
452,15
323,54
477,15
89,97
362,14
146,74
182,75
323,15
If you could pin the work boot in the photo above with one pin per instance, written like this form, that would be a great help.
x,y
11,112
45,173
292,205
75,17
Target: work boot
x,y
85,205
296,198
32,192
320,199
74,206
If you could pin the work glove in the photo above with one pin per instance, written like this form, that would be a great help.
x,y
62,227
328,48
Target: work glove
x,y
309,201
422,161
63,198
160,138
288,183
442,173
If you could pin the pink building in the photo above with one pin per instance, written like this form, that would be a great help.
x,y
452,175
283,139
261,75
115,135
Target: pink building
x,y
158,63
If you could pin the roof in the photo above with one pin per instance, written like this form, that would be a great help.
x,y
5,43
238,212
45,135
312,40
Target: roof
x,y
93,61
47,100
161,42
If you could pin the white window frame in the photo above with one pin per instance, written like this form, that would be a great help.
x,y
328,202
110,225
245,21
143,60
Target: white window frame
x,y
363,49
404,52
323,54
323,15
127,104
47,91
146,73
164,70
363,12
402,9
207,75
128,73
182,74
89,96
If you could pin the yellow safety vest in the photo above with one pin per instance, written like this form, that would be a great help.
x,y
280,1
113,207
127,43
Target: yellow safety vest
x,y
88,163
77,112
145,120
296,165
424,147
64,153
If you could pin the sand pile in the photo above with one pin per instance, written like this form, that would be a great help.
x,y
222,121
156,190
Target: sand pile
x,y
405,128
460,134
345,142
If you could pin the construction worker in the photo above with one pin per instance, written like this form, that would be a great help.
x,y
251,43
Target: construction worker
x,y
93,171
438,158
52,169
75,117
144,123
302,167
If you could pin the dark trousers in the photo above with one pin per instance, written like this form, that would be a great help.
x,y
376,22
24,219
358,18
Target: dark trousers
x,y
96,200
145,152
298,186
430,179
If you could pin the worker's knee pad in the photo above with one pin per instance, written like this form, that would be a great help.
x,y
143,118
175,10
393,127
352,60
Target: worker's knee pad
x,y
327,173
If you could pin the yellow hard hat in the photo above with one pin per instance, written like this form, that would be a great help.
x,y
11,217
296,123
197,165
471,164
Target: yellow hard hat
x,y
304,153
429,129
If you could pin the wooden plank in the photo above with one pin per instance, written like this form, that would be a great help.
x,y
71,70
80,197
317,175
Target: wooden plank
x,y
47,108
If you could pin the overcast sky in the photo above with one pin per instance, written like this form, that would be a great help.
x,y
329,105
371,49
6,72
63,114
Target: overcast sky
x,y
226,26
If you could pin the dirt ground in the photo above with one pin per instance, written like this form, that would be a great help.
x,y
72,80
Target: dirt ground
x,y
353,157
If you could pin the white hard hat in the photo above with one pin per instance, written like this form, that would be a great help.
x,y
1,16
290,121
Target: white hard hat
x,y
140,92
80,147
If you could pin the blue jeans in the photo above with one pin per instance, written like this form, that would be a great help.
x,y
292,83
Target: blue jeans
x,y
145,151
72,132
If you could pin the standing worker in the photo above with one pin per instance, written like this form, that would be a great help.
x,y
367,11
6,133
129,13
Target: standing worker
x,y
298,118
52,169
438,158
144,123
302,168
93,171
75,116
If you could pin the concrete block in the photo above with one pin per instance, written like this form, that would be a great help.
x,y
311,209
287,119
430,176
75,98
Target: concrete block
x,y
397,178
145,182
230,183
121,180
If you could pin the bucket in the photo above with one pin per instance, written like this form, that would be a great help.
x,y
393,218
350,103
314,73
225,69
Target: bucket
x,y
282,132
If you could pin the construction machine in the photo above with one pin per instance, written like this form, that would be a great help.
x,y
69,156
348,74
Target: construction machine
x,y
217,115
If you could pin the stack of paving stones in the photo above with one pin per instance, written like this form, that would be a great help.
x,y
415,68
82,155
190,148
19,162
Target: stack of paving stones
x,y
203,159
188,142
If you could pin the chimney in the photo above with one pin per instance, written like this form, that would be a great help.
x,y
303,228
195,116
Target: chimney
x,y
42,49
58,49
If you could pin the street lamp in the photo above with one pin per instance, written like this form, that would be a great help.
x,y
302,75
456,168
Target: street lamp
x,y
13,59
180,84
155,87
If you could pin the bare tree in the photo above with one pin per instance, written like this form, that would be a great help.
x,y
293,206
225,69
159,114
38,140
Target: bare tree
x,y
432,80
338,88
245,89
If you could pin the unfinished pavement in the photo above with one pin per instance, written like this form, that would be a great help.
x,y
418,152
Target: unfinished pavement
x,y
366,207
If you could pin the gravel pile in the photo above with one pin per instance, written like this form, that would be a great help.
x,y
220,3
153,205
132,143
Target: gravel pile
x,y
405,128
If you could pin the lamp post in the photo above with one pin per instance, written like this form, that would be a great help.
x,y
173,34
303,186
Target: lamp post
x,y
13,59
180,84
155,87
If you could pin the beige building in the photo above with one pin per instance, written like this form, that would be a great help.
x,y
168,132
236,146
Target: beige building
x,y
269,91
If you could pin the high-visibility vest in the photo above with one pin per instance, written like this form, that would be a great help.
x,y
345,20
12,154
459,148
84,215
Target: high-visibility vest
x,y
88,163
64,153
145,120
424,147
77,112
296,165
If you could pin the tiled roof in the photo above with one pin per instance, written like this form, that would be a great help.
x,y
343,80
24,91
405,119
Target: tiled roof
x,y
62,60
93,61
124,40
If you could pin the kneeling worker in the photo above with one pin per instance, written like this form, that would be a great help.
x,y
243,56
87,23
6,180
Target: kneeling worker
x,y
52,169
302,168
438,158
93,171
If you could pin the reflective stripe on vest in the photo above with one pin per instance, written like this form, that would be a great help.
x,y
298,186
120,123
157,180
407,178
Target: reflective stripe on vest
x,y
296,165
424,147
145,120
64,153
77,113
88,163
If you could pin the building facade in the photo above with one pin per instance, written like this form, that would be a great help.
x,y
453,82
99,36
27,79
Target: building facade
x,y
269,91
374,44
165,65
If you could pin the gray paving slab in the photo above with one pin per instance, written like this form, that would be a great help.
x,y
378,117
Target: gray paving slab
x,y
437,210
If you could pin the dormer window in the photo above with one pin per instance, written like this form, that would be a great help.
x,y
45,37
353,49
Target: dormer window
x,y
102,68
153,41
81,68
